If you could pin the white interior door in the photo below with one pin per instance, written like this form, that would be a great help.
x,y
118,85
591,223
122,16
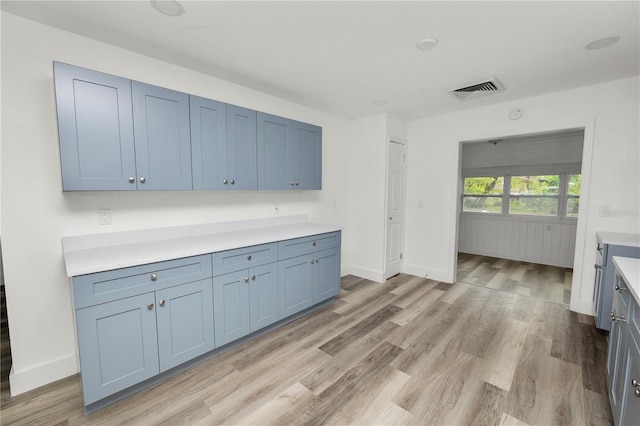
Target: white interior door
x,y
395,206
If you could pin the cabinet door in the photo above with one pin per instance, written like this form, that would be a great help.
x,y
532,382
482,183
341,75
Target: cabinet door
x,y
275,138
242,154
185,322
208,143
162,138
295,285
615,367
631,406
326,274
306,156
95,127
118,345
263,295
231,306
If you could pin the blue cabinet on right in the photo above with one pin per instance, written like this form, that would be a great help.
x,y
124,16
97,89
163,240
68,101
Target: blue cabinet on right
x,y
289,154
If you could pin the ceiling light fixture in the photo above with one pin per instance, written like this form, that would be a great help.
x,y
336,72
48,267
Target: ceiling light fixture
x,y
602,43
427,43
168,7
380,102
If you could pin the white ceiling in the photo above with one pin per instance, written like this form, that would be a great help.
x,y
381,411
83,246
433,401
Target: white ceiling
x,y
342,56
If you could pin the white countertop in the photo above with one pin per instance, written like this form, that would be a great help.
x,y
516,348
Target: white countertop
x,y
618,238
85,254
630,270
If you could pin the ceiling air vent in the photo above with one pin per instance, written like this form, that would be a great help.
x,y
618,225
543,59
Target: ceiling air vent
x,y
478,89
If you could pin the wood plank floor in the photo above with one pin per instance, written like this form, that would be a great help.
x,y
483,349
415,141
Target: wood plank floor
x,y
499,347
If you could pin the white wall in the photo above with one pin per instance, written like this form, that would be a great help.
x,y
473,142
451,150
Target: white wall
x,y
610,113
36,213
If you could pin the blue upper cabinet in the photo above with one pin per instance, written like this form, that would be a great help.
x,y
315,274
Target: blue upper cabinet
x,y
162,138
241,148
208,143
95,126
308,157
289,154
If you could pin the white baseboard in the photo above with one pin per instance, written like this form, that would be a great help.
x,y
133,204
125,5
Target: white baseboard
x,y
377,276
433,274
26,380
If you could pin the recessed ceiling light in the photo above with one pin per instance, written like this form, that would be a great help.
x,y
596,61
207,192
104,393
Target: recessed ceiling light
x,y
427,43
168,7
602,43
380,102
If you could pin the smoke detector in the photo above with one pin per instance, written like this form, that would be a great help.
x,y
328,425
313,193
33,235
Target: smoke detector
x,y
477,89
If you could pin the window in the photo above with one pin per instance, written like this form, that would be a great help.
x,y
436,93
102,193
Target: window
x,y
573,195
542,195
483,194
534,195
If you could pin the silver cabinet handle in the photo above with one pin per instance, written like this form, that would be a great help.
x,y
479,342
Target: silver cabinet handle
x,y
150,306
637,393
618,288
314,243
162,302
297,183
635,383
317,260
292,183
233,181
249,257
132,179
613,316
225,181
246,279
597,266
253,277
143,179
154,277
313,261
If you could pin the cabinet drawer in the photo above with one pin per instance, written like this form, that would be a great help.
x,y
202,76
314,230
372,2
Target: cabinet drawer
x,y
243,258
306,245
102,287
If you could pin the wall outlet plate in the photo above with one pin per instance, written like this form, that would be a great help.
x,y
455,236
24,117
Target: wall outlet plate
x,y
104,216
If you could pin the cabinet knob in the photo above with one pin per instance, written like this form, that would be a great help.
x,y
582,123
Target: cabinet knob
x,y
313,261
317,260
132,179
597,266
635,383
637,393
154,277
233,181
150,306
162,302
249,257
613,316
225,181
314,243
246,279
617,287
143,179
253,277
292,183
297,183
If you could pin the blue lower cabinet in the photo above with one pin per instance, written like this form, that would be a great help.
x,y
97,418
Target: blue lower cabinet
x,y
295,284
245,301
185,322
118,345
231,306
326,274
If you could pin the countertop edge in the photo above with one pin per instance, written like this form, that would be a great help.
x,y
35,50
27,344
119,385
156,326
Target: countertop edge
x,y
618,238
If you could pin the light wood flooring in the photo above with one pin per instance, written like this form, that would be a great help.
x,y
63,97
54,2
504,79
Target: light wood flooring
x,y
496,348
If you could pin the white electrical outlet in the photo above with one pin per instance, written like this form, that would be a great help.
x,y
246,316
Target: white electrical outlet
x,y
104,216
275,213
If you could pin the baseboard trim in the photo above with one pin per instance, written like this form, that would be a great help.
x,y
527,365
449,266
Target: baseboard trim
x,y
428,273
32,378
368,274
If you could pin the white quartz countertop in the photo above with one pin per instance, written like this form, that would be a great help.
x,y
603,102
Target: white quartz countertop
x,y
618,239
630,270
86,254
